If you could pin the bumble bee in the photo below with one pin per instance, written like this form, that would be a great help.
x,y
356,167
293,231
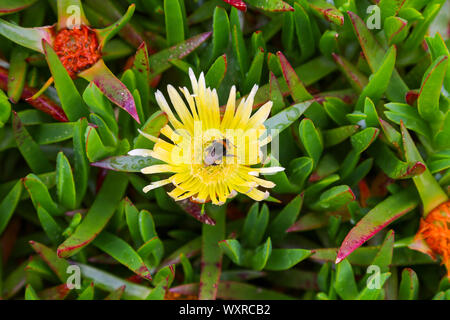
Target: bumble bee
x,y
215,152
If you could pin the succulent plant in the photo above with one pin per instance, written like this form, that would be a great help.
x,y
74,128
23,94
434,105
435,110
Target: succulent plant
x,y
341,193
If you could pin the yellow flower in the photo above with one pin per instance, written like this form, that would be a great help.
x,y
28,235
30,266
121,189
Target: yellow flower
x,y
211,156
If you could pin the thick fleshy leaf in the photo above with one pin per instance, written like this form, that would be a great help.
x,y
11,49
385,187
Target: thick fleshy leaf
x,y
276,95
221,32
30,38
232,249
416,36
71,100
40,195
409,285
300,169
255,225
29,149
141,68
96,148
345,284
14,282
5,109
238,42
337,135
391,165
8,6
283,259
42,103
363,139
59,292
395,29
442,136
189,250
8,205
369,293
111,87
216,73
116,294
401,112
98,215
238,4
152,251
285,118
309,72
438,48
147,225
378,82
81,162
152,126
122,252
195,210
282,183
383,258
311,140
303,27
174,22
49,133
270,5
125,163
313,191
30,293
328,43
300,94
313,220
376,219
17,74
65,184
287,216
104,35
374,54
428,101
254,73
429,190
59,266
50,226
328,11
109,282
260,256
363,256
187,269
66,10
334,198
337,110
132,219
356,78
371,112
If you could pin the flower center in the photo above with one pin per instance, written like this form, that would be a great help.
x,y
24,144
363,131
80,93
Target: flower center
x,y
77,49
215,151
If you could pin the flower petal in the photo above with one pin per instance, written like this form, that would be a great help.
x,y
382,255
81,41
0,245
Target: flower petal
x,y
156,184
140,152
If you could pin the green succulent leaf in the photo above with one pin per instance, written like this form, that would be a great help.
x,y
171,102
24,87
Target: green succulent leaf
x,y
122,252
380,216
409,285
98,215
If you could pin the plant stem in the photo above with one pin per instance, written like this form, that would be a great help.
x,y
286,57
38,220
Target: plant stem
x,y
211,265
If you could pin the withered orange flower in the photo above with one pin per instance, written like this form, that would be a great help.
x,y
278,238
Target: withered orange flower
x,y
79,48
